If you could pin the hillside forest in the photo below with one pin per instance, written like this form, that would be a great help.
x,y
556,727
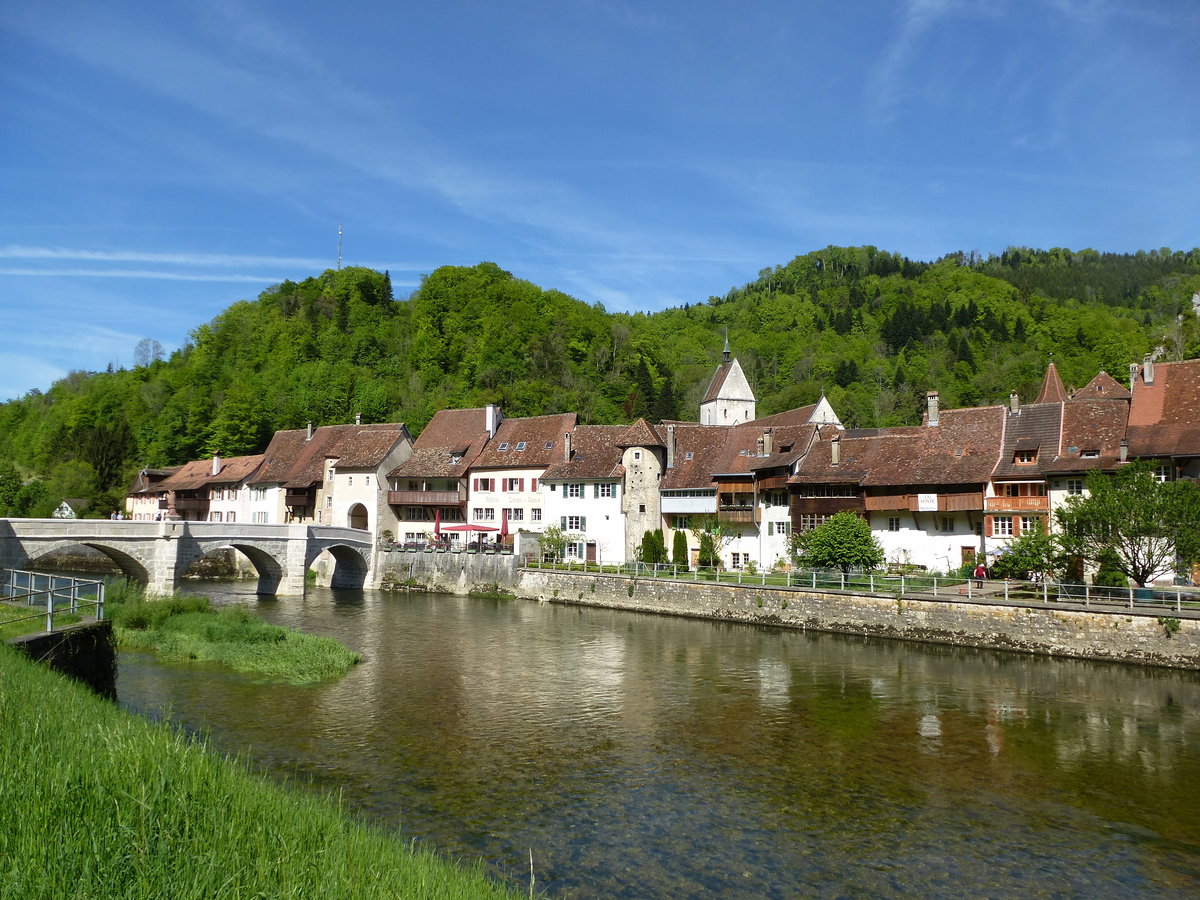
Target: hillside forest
x,y
870,329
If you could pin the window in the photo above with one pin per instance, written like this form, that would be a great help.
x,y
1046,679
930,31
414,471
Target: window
x,y
641,507
232,517
520,446
808,523
688,455
516,514
415,514
737,560
637,454
549,445
349,480
827,490
1075,486
893,523
573,490
574,523
485,484
512,484
503,446
574,550
606,490
485,514
1002,526
1165,472
329,502
535,515
260,518
779,528
682,523
1030,524
1024,457
1090,454
948,524
368,477
214,517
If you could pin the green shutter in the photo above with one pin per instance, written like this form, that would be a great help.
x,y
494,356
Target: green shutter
x,y
583,523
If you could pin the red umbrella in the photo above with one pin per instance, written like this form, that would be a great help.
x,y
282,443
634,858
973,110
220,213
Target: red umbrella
x,y
504,522
437,524
468,528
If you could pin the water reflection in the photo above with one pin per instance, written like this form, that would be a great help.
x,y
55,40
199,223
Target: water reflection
x,y
640,756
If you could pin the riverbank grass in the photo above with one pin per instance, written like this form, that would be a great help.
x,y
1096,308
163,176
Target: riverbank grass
x,y
101,803
17,620
185,628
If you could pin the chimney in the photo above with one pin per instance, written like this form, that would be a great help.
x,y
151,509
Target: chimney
x,y
768,442
492,419
931,405
1133,370
1014,403
216,464
567,447
835,446
310,432
670,446
1148,369
358,418
1124,453
758,446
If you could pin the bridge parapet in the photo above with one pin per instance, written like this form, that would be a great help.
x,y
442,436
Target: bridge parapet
x,y
158,553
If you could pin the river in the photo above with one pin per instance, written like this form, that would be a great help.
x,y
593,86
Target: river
x,y
651,757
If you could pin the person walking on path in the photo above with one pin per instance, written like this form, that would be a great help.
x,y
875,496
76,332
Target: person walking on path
x,y
980,574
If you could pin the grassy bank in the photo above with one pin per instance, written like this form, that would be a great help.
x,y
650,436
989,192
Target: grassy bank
x,y
15,620
100,803
186,627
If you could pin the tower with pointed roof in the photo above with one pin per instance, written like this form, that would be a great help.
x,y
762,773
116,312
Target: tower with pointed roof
x,y
729,399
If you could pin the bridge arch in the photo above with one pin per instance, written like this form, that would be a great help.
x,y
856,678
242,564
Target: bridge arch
x,y
350,568
131,567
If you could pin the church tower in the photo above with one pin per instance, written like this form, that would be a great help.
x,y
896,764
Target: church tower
x,y
729,399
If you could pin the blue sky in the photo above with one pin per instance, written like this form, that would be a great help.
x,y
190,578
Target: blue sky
x,y
160,161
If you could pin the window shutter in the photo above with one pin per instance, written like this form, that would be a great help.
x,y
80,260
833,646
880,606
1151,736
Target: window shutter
x,y
595,492
535,484
987,526
475,484
1016,529
521,484
583,523
503,484
564,523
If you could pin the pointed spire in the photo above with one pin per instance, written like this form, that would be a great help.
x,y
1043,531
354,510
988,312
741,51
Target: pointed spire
x,y
726,352
1052,387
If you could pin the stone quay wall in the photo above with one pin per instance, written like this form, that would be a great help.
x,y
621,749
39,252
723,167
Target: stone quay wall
x,y
1125,636
451,573
86,652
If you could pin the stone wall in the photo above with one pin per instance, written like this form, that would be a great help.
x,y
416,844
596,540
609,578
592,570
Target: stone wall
x,y
1126,636
452,573
85,652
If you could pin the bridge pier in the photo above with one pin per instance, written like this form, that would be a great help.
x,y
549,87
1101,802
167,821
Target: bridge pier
x,y
163,570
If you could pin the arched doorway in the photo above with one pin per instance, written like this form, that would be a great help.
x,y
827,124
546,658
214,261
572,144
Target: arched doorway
x,y
358,517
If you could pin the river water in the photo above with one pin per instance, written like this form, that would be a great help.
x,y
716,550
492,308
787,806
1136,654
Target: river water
x,y
652,757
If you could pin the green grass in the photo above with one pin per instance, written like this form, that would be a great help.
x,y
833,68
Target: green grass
x,y
187,628
99,803
15,621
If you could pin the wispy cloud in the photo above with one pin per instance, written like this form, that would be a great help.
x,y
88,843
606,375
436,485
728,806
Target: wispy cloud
x,y
18,251
139,273
887,86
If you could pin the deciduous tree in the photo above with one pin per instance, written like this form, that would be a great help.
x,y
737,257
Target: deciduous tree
x,y
843,542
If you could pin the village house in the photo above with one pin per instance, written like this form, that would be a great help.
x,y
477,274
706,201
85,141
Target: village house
x,y
428,492
583,493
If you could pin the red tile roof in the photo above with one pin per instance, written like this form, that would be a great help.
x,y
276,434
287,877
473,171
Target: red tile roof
x,y
596,454
198,473
1164,416
541,435
294,460
641,434
1090,426
1052,387
1102,387
451,434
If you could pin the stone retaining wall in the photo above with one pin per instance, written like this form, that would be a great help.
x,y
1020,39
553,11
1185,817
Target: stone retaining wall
x,y
452,573
1127,636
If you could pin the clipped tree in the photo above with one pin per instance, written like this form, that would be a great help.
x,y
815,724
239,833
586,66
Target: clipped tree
x,y
713,536
654,548
843,542
1144,524
679,550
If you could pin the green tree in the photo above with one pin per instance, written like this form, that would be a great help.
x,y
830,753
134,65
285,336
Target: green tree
x,y
653,548
10,484
713,536
843,542
1144,523
554,542
679,550
1032,552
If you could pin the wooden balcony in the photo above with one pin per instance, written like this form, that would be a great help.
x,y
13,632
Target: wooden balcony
x,y
945,502
1018,504
191,504
824,506
773,483
427,498
739,515
299,498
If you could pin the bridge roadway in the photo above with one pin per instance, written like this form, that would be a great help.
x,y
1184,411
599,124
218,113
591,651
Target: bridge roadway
x,y
157,554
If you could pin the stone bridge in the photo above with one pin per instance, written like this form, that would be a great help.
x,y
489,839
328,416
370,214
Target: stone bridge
x,y
157,554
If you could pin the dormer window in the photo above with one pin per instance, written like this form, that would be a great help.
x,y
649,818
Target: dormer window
x,y
1025,457
549,445
1089,454
503,446
520,446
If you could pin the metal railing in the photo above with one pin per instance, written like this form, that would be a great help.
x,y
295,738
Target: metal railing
x,y
942,587
55,593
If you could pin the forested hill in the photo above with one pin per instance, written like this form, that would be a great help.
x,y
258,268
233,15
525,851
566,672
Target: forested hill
x,y
870,329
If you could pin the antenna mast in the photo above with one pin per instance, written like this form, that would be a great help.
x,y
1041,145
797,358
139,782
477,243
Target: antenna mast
x,y
339,246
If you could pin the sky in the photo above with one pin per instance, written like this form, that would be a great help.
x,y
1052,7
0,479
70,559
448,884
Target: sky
x,y
161,161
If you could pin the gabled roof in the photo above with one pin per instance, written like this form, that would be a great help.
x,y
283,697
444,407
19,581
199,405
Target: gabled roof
x,y
295,460
148,480
798,416
707,446
1164,415
541,435
1034,428
596,452
1090,426
641,434
1102,387
1052,387
451,434
198,473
